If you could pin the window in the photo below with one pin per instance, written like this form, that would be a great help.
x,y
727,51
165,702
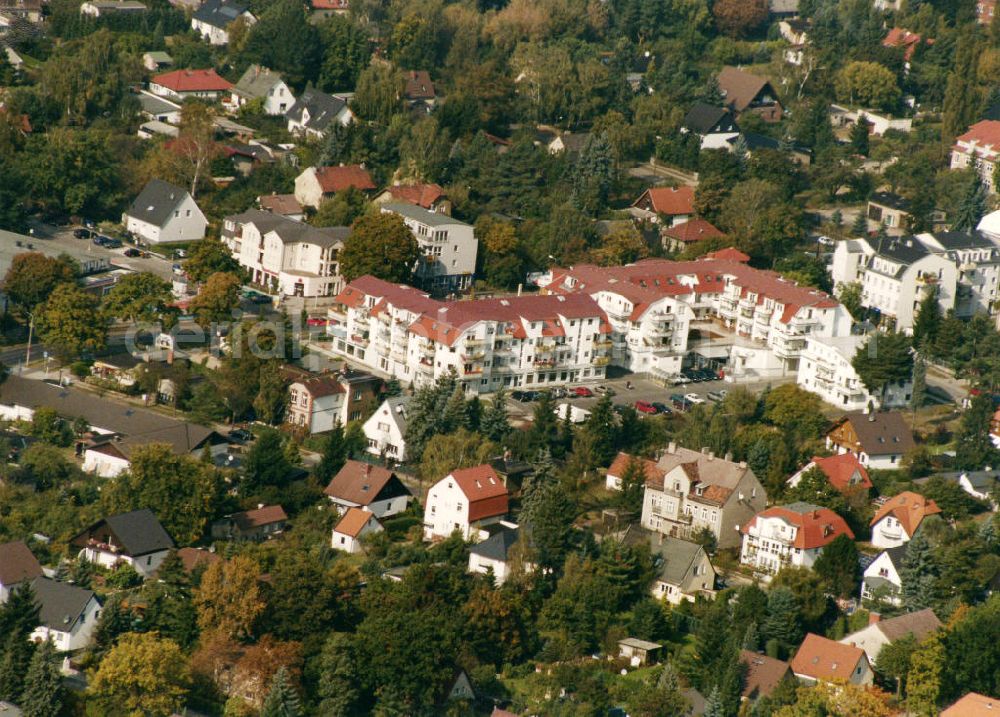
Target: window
x,y
343,540
458,506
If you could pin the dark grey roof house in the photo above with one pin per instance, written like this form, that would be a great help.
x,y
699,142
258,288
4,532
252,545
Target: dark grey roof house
x,y
315,112
164,212
136,538
67,614
704,119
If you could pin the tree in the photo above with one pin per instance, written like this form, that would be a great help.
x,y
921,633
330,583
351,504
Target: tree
x,y
839,567
229,599
894,660
633,486
138,297
850,296
272,397
918,573
859,227
346,53
339,684
622,246
43,690
49,427
449,451
974,447
886,358
867,84
838,700
962,96
187,492
782,622
195,145
14,662
381,245
33,276
219,295
68,322
265,463
282,699
923,688
739,19
142,674
495,425
378,94
544,430
334,455
972,207
593,175
928,319
209,256
859,137
760,220
73,170
341,210
602,430
283,39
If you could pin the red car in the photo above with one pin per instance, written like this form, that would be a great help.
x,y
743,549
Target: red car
x,y
645,407
582,392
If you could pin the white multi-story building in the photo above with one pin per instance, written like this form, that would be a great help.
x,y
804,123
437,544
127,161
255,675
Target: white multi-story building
x,y
447,247
534,341
825,369
789,535
979,147
465,500
289,257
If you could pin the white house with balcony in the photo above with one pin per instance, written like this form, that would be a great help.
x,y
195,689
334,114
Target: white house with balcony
x,y
789,535
978,148
134,538
826,369
67,614
448,247
288,257
898,519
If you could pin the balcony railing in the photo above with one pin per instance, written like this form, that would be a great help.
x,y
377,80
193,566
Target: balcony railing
x,y
602,343
601,361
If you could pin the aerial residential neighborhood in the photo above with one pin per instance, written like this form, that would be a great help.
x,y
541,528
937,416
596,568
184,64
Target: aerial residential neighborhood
x,y
507,358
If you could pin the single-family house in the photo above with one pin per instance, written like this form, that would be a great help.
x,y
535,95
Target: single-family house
x,y
104,8
985,10
385,430
881,633
322,9
843,471
688,233
763,674
318,401
163,213
261,83
362,485
188,84
906,41
67,614
259,524
793,534
979,148
668,205
315,112
882,581
796,32
418,91
746,92
683,569
428,196
159,109
878,439
899,518
890,210
18,566
317,184
213,18
197,558
981,485
495,550
120,369
713,125
568,143
355,524
638,652
283,205
136,538
973,704
820,659
465,500
109,456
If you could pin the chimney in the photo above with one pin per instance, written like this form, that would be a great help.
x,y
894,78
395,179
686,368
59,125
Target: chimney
x,y
874,617
672,447
704,450
259,506
368,469
729,457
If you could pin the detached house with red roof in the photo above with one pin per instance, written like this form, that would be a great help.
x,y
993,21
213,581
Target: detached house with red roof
x,y
789,535
258,524
185,84
350,529
844,472
317,402
427,196
899,518
18,566
362,485
745,92
668,205
317,184
979,147
823,660
465,500
680,236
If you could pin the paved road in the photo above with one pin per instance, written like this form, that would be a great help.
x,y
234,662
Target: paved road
x,y
52,235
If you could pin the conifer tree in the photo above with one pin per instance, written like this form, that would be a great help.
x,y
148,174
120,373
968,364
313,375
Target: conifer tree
x,y
43,691
334,455
782,621
972,208
494,424
918,574
860,226
282,700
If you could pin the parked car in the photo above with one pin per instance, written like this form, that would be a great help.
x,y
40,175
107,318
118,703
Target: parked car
x,y
825,240
178,269
99,240
241,435
645,407
715,396
524,396
693,398
582,392
662,408
679,380
111,243
558,392
83,233
132,252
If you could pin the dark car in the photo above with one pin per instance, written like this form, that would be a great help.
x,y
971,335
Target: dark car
x,y
99,240
662,407
241,435
83,233
131,252
524,396
112,243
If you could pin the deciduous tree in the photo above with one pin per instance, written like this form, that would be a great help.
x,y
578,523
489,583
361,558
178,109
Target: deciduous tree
x,y
141,296
209,256
867,84
380,245
219,295
33,276
229,598
69,322
142,674
739,19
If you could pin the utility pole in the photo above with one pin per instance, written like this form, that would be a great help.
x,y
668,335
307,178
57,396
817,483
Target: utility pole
x,y
31,328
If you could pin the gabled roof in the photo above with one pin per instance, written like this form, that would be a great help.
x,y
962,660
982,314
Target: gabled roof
x,y
693,230
290,231
363,483
497,546
669,201
191,558
986,132
321,107
739,88
17,563
337,179
973,705
418,85
891,200
674,557
257,81
138,533
728,254
920,624
280,204
157,201
815,527
424,216
880,433
250,519
192,81
60,605
422,195
909,509
763,673
219,13
702,118
354,521
621,461
486,493
824,659
702,468
840,469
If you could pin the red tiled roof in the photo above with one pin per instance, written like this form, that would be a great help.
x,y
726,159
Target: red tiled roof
x,y
326,384
358,482
729,254
249,519
487,494
763,673
815,528
354,521
974,705
670,201
898,37
283,204
399,295
824,659
621,462
840,468
193,557
330,4
692,230
423,195
337,179
418,85
908,508
192,81
983,133
739,87
17,563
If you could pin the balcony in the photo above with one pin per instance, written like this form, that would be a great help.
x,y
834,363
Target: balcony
x,y
601,361
474,342
602,343
544,363
427,349
473,356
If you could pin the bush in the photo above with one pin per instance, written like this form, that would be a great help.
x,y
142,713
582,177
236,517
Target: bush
x,y
123,577
80,369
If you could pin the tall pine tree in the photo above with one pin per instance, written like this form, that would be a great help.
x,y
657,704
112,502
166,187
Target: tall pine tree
x,y
972,207
43,690
918,573
282,700
494,424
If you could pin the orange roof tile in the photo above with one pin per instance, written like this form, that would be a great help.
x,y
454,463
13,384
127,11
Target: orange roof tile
x,y
692,230
353,522
670,201
486,492
983,133
337,179
840,469
729,254
621,461
824,659
908,508
422,195
193,81
816,527
973,705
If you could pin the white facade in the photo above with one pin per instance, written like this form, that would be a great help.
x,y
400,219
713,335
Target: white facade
x,y
889,533
78,636
448,247
145,565
769,546
351,542
850,257
214,34
263,84
103,464
881,581
185,223
978,148
385,429
825,369
451,507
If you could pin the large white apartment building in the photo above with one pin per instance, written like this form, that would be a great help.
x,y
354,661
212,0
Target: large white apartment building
x,y
665,313
532,341
289,257
896,274
448,247
826,369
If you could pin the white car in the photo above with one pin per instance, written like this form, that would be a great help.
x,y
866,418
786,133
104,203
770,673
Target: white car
x,y
825,240
693,398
